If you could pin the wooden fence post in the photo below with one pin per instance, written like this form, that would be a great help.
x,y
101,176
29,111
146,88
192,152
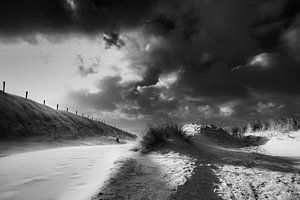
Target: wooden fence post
x,y
76,112
3,87
44,102
26,95
56,106
67,109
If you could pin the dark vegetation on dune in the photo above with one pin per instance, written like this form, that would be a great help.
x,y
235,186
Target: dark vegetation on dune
x,y
224,137
159,133
283,124
22,118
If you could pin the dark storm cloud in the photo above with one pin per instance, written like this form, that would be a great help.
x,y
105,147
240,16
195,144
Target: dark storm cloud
x,y
107,99
225,50
51,16
125,98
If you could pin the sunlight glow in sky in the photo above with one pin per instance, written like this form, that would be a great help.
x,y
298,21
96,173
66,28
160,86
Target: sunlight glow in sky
x,y
48,69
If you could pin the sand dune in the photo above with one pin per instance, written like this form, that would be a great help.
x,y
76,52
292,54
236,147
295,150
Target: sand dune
x,y
204,170
205,167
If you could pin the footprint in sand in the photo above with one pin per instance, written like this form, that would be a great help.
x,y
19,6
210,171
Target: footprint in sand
x,y
79,186
75,176
62,166
92,161
31,180
89,166
55,173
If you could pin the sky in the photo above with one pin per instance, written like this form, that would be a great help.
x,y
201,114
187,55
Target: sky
x,y
134,62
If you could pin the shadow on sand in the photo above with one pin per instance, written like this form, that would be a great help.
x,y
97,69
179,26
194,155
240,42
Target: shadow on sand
x,y
134,180
138,177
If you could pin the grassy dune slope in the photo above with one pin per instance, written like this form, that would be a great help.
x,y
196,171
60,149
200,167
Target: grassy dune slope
x,y
199,163
21,118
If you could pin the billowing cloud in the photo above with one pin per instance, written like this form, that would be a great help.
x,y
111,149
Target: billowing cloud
x,y
218,61
86,67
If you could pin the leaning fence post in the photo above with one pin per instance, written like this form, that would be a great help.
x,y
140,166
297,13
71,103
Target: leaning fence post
x,y
3,87
44,102
56,106
67,109
26,94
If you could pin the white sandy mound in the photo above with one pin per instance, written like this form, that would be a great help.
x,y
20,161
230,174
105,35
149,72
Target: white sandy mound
x,y
287,145
193,129
210,134
280,143
190,129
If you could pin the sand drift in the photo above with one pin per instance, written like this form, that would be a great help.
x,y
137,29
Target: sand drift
x,y
281,144
64,173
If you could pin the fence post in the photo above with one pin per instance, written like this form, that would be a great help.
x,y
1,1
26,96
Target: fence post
x,y
44,102
76,112
67,109
3,87
26,95
56,106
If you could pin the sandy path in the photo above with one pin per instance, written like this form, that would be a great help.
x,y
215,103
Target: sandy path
x,y
202,171
154,176
244,174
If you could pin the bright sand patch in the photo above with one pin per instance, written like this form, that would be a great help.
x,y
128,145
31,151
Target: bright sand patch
x,y
287,145
64,173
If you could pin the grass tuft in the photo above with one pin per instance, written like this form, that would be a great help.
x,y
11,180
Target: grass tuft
x,y
157,134
284,124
